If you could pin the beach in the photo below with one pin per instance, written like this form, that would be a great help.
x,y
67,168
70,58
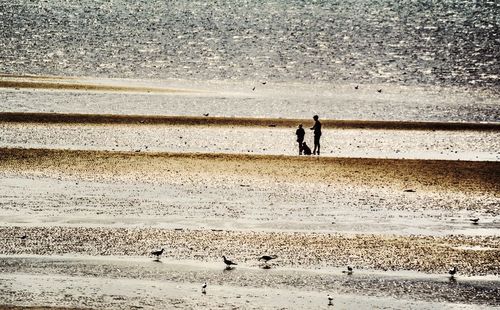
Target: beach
x,y
94,214
129,128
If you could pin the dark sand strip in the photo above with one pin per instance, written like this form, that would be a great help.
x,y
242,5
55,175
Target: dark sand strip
x,y
37,77
390,174
88,87
60,118
7,307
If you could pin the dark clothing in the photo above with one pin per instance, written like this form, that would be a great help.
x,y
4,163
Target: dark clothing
x,y
300,134
316,139
317,136
300,138
317,128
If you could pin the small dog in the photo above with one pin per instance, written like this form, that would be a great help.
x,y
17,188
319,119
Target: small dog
x,y
305,149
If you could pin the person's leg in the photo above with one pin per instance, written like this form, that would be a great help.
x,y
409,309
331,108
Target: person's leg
x,y
318,146
300,147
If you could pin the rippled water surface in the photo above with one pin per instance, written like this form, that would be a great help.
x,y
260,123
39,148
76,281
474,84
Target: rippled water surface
x,y
449,42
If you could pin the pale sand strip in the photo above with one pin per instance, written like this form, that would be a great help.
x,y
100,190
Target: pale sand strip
x,y
62,118
396,174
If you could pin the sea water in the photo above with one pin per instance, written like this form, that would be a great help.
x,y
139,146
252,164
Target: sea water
x,y
431,60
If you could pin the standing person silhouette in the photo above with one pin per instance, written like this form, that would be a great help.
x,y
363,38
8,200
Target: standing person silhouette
x,y
300,137
317,133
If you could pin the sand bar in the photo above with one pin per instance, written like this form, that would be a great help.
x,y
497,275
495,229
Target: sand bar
x,y
421,174
61,118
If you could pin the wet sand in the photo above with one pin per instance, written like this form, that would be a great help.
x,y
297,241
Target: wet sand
x,y
92,200
176,130
141,282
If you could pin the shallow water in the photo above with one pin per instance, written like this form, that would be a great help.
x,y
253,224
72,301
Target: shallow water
x,y
132,281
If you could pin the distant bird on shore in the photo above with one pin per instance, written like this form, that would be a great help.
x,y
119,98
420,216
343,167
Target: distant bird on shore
x,y
23,237
453,271
330,300
228,262
253,88
267,258
356,87
264,83
474,221
206,114
349,270
157,253
379,90
204,288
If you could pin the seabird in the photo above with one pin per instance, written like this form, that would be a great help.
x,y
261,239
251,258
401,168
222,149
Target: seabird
x,y
330,299
23,237
349,270
206,114
356,87
264,83
204,288
228,262
267,258
474,221
379,90
157,253
453,271
253,88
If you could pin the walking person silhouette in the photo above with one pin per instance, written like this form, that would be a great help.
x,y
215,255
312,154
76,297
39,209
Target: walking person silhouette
x,y
300,137
317,134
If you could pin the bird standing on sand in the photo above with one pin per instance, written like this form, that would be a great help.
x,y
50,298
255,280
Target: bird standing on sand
x,y
228,262
349,270
23,237
204,288
356,87
379,90
453,271
206,114
474,221
330,300
267,258
157,253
